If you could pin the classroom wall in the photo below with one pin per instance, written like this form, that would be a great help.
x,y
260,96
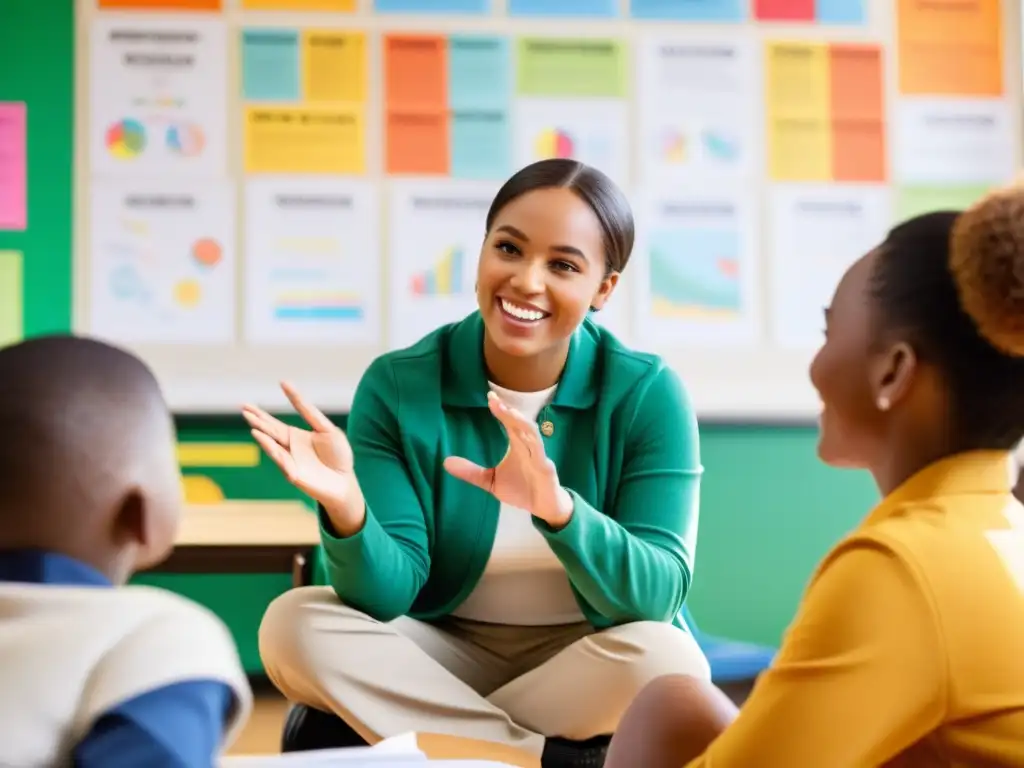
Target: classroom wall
x,y
769,509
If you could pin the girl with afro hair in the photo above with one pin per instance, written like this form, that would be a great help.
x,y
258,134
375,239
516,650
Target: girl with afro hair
x,y
908,646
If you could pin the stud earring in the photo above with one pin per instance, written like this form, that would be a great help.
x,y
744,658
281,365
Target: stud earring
x,y
883,403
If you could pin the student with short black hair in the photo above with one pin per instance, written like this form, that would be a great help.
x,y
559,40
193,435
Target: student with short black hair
x,y
94,673
908,647
509,528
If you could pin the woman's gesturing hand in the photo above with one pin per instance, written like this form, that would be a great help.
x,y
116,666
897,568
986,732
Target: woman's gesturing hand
x,y
526,478
317,461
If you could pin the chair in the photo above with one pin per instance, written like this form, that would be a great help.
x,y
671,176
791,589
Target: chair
x,y
735,665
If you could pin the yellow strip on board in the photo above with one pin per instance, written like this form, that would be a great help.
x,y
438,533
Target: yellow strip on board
x,y
218,454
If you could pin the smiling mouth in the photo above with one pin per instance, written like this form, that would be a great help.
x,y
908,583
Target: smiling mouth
x,y
521,314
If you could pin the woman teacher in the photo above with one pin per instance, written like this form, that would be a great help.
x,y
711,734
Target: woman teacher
x,y
509,526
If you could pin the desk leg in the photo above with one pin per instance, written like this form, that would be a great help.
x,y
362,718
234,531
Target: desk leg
x,y
299,567
302,569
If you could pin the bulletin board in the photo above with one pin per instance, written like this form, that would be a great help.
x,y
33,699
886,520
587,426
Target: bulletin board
x,y
36,145
285,189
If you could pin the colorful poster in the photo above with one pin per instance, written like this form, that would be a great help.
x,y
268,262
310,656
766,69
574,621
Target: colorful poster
x,y
698,112
308,6
306,92
162,262
722,11
831,12
696,255
564,8
436,231
913,201
305,140
13,166
312,273
432,6
593,131
825,112
12,293
818,232
157,97
950,48
954,141
570,103
447,102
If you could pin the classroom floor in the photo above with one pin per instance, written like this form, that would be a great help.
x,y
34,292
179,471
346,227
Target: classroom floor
x,y
262,734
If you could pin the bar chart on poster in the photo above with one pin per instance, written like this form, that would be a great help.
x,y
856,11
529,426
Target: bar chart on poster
x,y
274,189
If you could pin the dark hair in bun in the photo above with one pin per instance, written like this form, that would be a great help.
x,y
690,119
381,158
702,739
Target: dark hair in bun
x,y
987,260
952,283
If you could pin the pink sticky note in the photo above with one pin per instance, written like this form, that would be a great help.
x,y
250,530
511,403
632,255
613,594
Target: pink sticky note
x,y
13,165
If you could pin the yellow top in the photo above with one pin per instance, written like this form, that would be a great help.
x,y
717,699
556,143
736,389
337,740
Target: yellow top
x,y
908,648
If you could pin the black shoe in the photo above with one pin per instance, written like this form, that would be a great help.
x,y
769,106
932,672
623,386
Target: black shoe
x,y
563,753
307,729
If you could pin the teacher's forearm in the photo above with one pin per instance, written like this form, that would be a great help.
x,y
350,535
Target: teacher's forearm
x,y
371,571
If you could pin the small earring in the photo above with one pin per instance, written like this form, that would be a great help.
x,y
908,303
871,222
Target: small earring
x,y
883,403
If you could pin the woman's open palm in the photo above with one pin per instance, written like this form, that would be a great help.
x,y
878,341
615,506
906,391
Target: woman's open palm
x,y
525,478
317,461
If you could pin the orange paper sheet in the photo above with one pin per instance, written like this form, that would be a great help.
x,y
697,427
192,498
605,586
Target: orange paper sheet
x,y
857,106
950,47
415,72
855,82
417,143
858,151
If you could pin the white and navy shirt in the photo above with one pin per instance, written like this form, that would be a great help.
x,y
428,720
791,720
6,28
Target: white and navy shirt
x,y
104,677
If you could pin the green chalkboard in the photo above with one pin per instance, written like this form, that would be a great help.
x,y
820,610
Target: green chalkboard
x,y
37,57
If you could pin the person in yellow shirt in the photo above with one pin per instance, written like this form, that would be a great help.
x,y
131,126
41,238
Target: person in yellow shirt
x,y
908,647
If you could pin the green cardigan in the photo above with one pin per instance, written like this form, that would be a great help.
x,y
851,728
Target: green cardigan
x,y
625,444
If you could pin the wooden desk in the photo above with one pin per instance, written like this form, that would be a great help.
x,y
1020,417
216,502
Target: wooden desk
x,y
245,537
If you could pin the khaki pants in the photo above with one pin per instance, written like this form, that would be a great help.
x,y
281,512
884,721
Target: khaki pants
x,y
502,684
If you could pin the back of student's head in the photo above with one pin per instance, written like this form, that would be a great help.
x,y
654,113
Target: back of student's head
x,y
87,455
952,283
924,346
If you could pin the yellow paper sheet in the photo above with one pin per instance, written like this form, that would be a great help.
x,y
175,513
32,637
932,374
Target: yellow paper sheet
x,y
218,454
797,81
12,292
320,140
799,150
334,66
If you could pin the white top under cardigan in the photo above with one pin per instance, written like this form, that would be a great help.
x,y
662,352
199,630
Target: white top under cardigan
x,y
523,584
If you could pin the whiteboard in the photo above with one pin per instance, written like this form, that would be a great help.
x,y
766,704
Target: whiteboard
x,y
751,368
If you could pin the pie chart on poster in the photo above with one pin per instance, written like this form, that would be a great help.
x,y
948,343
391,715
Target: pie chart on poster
x,y
554,142
185,140
126,139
